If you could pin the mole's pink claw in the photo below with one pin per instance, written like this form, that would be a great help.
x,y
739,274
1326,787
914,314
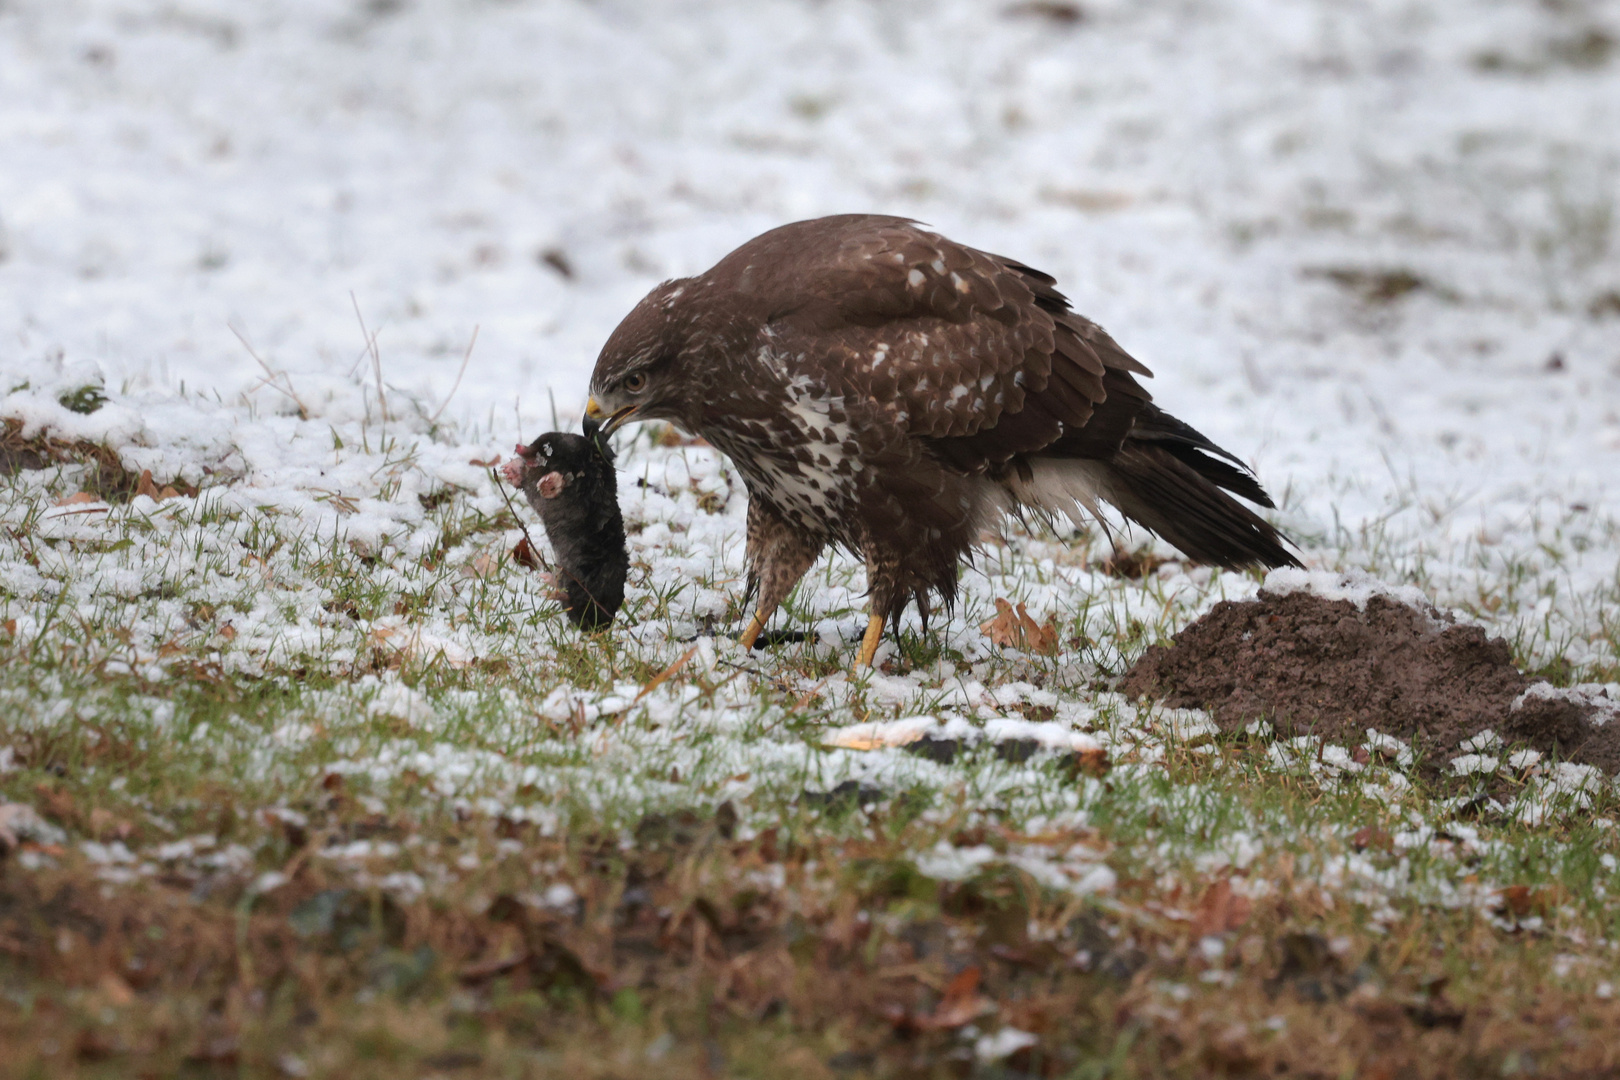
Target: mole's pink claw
x,y
512,472
552,484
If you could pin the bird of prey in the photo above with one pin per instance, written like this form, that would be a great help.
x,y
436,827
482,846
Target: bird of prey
x,y
885,389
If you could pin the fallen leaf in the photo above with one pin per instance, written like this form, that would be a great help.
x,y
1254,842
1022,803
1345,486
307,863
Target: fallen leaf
x,y
1371,836
525,555
145,486
483,464
1090,762
1522,900
961,1004
486,562
115,989
106,826
77,499
58,804
1014,628
808,696
414,643
1131,564
1220,910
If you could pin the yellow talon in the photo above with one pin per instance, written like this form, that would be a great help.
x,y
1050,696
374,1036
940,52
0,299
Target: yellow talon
x,y
870,643
751,634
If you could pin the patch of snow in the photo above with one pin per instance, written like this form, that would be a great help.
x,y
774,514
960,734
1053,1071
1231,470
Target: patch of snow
x,y
1469,764
1358,587
946,862
1004,1043
1602,698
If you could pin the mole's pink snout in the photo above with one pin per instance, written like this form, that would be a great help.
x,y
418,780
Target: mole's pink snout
x,y
513,470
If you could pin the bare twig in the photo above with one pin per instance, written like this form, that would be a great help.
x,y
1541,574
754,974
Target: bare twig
x,y
775,680
466,356
501,487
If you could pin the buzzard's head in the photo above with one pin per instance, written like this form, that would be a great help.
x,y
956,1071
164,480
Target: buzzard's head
x,y
649,369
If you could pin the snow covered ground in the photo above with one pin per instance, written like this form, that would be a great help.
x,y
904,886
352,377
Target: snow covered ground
x,y
1371,248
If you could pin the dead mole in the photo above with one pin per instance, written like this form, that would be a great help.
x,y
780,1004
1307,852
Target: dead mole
x,y
570,482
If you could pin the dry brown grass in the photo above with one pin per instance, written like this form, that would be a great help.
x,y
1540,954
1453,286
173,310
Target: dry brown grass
x,y
692,953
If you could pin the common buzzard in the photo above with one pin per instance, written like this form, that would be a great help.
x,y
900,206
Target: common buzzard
x,y
885,389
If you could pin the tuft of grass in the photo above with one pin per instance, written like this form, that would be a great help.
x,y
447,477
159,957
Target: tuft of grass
x,y
83,400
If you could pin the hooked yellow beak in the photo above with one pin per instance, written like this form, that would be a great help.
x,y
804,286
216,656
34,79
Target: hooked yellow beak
x,y
601,422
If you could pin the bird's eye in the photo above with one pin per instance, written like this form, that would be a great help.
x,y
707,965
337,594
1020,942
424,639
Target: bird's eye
x,y
635,383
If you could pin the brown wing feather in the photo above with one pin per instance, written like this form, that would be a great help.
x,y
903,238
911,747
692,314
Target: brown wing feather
x,y
974,352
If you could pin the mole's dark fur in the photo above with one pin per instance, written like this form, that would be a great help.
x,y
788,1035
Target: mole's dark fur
x,y
570,483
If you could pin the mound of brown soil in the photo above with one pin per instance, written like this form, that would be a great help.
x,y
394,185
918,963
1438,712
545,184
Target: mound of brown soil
x,y
1322,667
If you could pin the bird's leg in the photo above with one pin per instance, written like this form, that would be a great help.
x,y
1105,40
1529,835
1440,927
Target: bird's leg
x,y
778,555
882,587
778,571
870,643
755,625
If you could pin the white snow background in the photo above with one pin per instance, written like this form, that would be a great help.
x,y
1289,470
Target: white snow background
x,y
1226,185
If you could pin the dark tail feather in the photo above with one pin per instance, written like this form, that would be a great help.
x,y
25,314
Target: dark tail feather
x,y
1154,483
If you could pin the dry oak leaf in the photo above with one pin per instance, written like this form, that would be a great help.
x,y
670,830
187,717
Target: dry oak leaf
x,y
1013,628
486,464
77,499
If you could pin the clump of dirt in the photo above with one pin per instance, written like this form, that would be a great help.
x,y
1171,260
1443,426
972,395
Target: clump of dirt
x,y
1314,666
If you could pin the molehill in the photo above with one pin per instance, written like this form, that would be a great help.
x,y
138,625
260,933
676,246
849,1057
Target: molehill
x,y
1330,668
